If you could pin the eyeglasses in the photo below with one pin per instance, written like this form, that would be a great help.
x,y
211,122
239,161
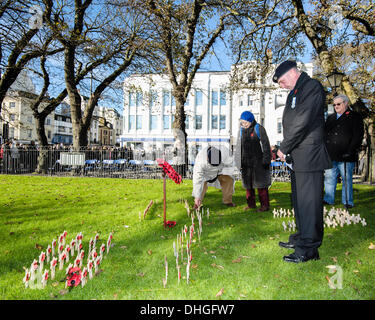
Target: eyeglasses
x,y
337,104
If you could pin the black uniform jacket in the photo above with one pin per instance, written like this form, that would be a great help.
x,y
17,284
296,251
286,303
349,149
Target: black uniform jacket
x,y
303,126
344,135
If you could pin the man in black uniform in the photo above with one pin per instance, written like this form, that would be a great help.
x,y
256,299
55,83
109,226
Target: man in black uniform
x,y
303,127
343,136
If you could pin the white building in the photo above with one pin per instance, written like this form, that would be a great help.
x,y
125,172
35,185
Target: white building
x,y
17,121
213,108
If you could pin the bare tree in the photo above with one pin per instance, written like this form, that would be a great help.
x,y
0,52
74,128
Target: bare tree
x,y
92,39
20,22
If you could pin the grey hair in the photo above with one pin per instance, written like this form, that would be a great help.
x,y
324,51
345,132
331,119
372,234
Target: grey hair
x,y
343,97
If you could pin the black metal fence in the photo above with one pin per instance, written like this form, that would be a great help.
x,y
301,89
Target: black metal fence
x,y
105,162
102,162
96,162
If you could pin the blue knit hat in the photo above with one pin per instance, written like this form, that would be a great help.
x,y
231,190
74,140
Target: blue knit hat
x,y
247,115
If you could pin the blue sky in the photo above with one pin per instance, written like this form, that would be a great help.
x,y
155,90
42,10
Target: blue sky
x,y
213,64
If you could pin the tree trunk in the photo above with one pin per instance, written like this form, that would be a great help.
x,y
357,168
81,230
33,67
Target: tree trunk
x,y
180,136
371,154
43,145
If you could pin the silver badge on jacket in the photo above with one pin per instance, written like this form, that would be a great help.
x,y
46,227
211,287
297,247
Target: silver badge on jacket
x,y
293,105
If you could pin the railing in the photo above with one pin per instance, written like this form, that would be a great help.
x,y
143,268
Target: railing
x,y
99,162
116,163
119,163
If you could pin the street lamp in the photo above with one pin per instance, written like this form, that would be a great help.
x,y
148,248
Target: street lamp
x,y
335,79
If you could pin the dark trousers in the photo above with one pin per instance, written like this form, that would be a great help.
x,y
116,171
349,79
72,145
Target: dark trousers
x,y
307,201
263,197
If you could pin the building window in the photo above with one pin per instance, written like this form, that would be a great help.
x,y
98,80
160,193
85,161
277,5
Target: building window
x,y
154,122
139,122
153,98
173,101
186,122
12,104
131,99
214,123
166,98
12,117
139,101
198,122
166,122
49,134
131,122
214,98
135,99
187,102
48,121
249,100
198,97
222,122
29,133
223,98
29,119
279,125
61,129
251,77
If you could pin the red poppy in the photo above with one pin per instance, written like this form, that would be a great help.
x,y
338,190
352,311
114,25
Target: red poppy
x,y
74,277
170,224
168,170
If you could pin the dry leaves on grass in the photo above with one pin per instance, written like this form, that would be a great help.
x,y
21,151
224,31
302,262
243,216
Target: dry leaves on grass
x,y
372,246
238,260
217,266
220,293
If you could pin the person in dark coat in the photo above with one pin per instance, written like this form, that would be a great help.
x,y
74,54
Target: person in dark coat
x,y
343,137
303,128
254,160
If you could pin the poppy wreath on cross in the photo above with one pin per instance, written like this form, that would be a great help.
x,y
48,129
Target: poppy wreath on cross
x,y
169,171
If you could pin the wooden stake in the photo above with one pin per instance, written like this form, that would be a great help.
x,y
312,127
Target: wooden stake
x,y
148,208
165,199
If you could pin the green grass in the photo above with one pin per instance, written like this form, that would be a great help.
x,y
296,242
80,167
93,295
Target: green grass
x,y
34,210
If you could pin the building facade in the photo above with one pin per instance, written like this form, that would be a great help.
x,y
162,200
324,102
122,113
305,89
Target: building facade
x,y
213,108
18,123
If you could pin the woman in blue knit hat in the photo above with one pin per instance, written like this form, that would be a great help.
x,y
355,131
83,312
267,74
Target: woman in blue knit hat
x,y
253,158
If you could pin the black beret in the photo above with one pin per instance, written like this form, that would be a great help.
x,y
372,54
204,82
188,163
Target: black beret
x,y
214,156
283,68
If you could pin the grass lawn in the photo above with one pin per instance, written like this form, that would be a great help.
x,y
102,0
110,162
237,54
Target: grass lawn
x,y
238,251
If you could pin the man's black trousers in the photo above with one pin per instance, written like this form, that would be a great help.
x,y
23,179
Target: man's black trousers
x,y
307,201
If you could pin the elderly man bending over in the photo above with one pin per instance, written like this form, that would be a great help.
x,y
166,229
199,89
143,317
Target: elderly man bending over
x,y
213,167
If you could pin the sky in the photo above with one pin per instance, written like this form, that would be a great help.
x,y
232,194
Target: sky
x,y
226,60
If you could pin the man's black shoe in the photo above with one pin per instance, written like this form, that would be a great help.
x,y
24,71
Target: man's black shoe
x,y
286,245
297,259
